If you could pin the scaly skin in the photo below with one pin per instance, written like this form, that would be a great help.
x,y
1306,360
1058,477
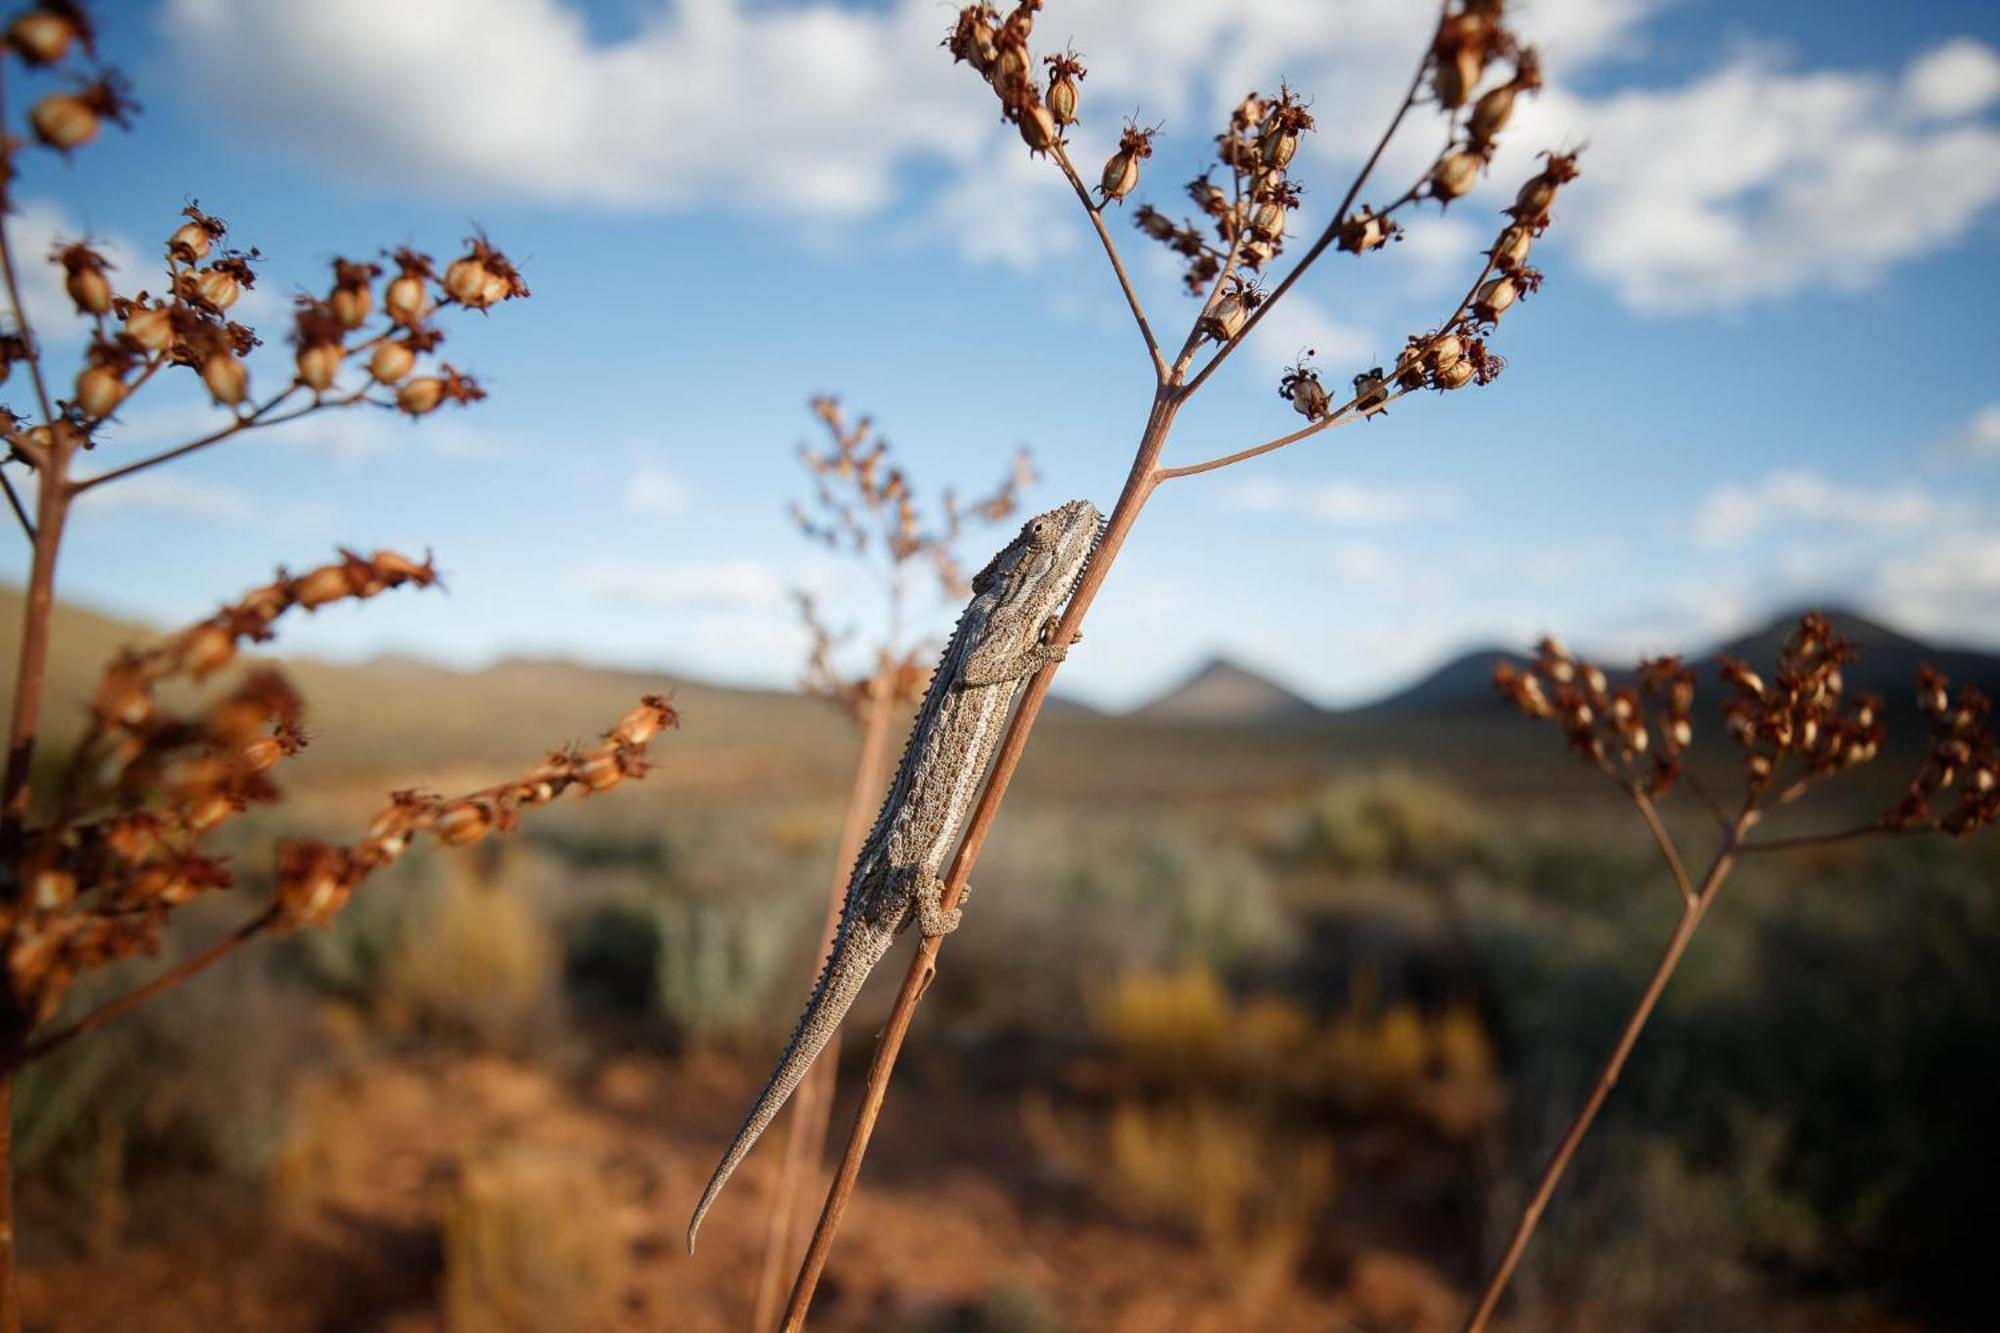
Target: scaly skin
x,y
995,648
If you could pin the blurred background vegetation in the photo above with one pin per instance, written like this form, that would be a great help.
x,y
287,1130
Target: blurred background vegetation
x,y
1256,1023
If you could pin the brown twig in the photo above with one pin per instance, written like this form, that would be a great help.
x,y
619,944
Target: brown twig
x,y
1651,815
1117,264
1695,908
117,1008
14,503
812,1103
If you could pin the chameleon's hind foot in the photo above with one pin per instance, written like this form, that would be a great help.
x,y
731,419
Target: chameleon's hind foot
x,y
933,917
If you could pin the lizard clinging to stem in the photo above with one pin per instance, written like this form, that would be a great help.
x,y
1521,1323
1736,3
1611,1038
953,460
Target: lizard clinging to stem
x,y
998,644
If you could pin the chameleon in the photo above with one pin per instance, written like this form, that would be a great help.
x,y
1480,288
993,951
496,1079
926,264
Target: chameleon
x,y
1000,641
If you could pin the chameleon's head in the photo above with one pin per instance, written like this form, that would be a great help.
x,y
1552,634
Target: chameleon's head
x,y
1061,540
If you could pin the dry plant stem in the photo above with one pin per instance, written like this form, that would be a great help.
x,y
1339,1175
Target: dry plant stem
x,y
1332,232
14,503
52,505
260,417
1651,814
1117,264
812,1104
1826,839
1692,912
124,1004
1139,484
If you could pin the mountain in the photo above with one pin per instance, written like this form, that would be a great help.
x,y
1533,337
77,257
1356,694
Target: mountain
x,y
1887,666
1222,693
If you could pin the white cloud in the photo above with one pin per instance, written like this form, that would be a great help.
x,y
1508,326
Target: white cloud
x,y
1756,181
1978,438
652,490
164,493
1960,78
720,584
1298,324
1734,515
1343,503
1949,586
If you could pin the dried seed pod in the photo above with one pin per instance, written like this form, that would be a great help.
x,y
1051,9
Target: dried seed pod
x,y
1447,349
42,36
408,299
1371,392
1456,375
1226,318
1038,128
1494,298
421,396
99,391
218,287
89,289
318,364
190,238
463,823
1269,221
1532,204
1121,175
1455,76
227,378
65,121
205,649
1492,111
1280,146
1455,175
1510,252
391,362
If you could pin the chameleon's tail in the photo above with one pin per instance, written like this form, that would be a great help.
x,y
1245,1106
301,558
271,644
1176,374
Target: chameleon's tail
x,y
854,956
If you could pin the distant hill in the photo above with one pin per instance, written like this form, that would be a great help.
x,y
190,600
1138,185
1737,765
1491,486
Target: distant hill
x,y
1887,666
1221,692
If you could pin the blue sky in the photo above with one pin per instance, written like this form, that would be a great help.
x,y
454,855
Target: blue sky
x,y
1761,372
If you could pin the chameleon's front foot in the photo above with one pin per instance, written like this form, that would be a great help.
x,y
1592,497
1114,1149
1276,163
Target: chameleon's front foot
x,y
933,917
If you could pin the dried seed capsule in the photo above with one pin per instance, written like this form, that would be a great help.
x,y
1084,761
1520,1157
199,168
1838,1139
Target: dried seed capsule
x,y
1038,127
1371,392
65,120
1454,376
466,822
151,328
1226,319
1455,175
318,364
1511,250
1492,111
1121,175
1280,148
89,289
1447,350
1309,399
1455,77
351,303
391,362
1062,100
1494,298
408,299
191,237
218,288
420,396
205,649
1269,221
1532,204
1257,253
99,391
42,36
227,379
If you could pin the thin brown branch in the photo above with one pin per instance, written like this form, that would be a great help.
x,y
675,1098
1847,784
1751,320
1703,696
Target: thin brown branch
x,y
112,1010
812,1103
1691,916
1139,484
21,325
1117,264
1651,815
1332,231
254,420
1340,417
14,503
1827,839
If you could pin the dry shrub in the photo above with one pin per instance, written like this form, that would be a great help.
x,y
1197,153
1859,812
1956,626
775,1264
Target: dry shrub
x,y
479,967
1183,1032
1394,820
530,1245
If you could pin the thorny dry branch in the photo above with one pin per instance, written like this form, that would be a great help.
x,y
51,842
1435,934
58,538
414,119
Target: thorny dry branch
x,y
93,866
864,508
1797,730
1248,220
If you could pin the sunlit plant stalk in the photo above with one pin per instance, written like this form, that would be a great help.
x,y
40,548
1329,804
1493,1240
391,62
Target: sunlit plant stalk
x,y
1256,150
1794,731
864,509
92,870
